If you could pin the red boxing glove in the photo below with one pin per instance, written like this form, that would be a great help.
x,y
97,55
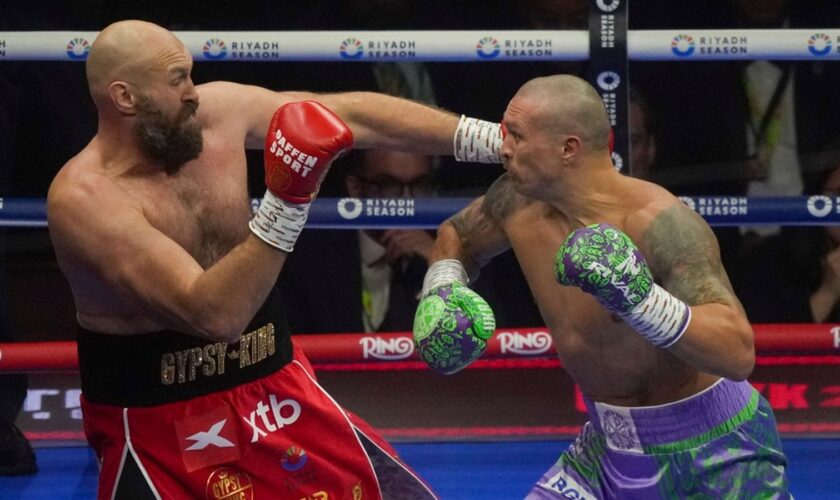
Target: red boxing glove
x,y
303,139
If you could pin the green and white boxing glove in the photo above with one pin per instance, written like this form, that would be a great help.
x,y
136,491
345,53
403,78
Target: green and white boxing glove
x,y
603,261
452,323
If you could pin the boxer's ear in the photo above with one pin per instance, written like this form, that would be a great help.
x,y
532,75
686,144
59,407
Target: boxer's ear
x,y
123,96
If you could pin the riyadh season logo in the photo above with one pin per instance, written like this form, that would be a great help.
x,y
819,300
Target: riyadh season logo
x,y
819,44
214,49
294,459
608,80
77,49
820,205
689,202
608,5
349,208
351,48
682,45
488,48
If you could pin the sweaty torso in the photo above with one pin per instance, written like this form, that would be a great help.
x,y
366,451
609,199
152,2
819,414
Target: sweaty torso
x,y
204,208
609,361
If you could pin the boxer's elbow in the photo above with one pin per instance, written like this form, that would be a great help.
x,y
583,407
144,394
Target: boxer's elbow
x,y
741,366
217,327
741,355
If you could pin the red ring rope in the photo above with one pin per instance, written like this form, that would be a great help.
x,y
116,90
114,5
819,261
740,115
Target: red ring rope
x,y
513,345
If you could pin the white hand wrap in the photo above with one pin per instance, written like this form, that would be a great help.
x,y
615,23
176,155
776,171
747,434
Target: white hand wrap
x,y
661,318
478,141
278,222
444,272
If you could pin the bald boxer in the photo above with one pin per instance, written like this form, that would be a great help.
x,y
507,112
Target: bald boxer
x,y
630,283
191,387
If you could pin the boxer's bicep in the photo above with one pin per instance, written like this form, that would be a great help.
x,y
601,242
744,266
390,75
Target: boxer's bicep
x,y
244,109
684,255
480,226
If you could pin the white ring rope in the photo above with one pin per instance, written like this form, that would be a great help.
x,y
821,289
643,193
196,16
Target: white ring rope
x,y
476,46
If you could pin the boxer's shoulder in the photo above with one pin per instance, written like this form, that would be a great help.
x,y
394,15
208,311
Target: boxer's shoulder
x,y
502,201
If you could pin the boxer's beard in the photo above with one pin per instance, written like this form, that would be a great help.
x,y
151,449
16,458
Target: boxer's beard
x,y
172,142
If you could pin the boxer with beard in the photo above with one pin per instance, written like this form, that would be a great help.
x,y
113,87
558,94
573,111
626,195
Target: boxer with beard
x,y
172,142
191,386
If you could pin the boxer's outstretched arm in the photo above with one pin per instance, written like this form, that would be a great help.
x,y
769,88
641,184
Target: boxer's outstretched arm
x,y
684,257
376,120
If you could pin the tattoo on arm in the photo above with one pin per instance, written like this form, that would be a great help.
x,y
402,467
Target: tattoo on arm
x,y
480,224
683,253
499,200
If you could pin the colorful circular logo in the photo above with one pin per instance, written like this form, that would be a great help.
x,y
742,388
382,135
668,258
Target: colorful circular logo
x,y
227,483
294,459
682,45
819,44
78,49
488,48
214,49
351,48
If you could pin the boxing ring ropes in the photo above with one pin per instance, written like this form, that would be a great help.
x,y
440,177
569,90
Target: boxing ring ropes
x,y
776,344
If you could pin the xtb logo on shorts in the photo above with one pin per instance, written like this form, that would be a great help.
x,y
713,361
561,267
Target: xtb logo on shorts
x,y
273,416
208,439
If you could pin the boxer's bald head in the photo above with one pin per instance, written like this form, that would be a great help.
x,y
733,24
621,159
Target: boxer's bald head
x,y
130,51
569,105
139,78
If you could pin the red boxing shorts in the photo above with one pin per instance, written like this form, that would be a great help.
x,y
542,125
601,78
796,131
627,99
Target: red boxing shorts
x,y
280,436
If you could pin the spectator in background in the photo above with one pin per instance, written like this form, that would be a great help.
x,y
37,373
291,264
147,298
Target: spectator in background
x,y
726,135
804,286
374,282
642,137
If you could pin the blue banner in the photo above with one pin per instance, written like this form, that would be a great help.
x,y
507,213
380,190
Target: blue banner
x,y
428,213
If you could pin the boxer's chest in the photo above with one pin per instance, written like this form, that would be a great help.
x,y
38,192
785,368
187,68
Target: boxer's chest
x,y
536,235
205,207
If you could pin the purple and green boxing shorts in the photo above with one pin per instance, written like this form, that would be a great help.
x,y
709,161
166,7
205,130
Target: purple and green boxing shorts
x,y
721,443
